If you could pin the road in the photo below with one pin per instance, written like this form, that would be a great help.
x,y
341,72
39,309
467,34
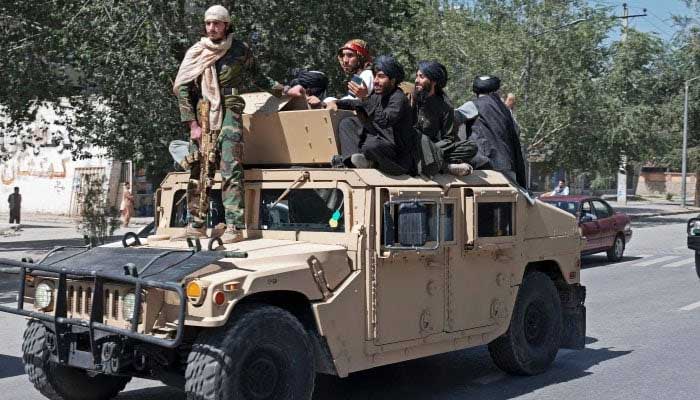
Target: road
x,y
643,327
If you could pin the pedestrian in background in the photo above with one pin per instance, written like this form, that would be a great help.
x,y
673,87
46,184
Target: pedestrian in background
x,y
15,201
127,206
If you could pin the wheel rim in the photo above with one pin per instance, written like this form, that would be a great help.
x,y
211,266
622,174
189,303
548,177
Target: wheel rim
x,y
260,375
536,323
618,247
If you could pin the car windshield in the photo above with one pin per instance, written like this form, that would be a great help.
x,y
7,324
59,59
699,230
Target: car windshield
x,y
302,210
568,206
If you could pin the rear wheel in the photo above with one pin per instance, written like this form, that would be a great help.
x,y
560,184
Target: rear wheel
x,y
60,382
263,353
534,336
617,250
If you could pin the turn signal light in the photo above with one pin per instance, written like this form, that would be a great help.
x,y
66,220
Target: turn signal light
x,y
195,292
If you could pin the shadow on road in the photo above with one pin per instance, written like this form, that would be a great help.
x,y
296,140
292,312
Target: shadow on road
x,y
10,366
154,393
468,374
650,222
601,260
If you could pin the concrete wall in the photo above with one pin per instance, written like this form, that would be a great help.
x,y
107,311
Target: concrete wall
x,y
661,183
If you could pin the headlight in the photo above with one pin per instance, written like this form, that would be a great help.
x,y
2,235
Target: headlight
x,y
628,227
43,296
695,228
128,306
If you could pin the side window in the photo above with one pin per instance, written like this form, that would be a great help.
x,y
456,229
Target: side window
x,y
586,210
410,225
448,218
178,215
495,219
602,210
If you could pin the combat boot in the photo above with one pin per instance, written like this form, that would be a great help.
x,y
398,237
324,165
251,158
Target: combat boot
x,y
192,232
231,235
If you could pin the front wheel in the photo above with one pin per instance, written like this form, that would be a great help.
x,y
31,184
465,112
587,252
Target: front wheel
x,y
263,353
534,335
60,382
617,250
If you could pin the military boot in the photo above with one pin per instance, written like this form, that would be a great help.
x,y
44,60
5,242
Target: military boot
x,y
232,235
192,231
462,169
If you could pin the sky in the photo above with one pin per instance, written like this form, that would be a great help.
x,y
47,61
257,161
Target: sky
x,y
658,19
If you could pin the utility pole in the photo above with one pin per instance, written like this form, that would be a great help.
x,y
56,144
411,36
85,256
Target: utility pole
x,y
684,157
622,169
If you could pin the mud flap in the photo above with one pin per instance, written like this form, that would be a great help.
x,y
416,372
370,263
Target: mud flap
x,y
574,324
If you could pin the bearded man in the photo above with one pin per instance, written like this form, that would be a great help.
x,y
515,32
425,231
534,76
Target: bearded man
x,y
439,148
217,69
381,134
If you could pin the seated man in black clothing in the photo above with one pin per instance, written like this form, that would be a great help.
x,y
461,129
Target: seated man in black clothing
x,y
381,134
439,148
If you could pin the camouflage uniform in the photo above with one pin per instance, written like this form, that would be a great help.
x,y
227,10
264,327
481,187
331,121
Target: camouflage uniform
x,y
237,73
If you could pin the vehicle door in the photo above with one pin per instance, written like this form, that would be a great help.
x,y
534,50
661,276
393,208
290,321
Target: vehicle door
x,y
589,226
606,222
479,283
407,283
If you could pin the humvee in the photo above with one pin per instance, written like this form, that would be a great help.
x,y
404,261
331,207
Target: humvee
x,y
342,270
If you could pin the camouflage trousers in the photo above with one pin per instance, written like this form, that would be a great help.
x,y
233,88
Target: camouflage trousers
x,y
230,156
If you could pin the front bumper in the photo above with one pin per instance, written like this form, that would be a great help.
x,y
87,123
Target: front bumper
x,y
95,330
694,242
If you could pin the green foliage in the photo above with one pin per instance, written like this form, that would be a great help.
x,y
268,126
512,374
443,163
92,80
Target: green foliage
x,y
582,99
98,219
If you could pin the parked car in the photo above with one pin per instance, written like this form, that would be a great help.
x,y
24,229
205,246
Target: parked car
x,y
694,240
605,229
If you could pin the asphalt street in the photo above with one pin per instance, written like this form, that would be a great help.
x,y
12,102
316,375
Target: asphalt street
x,y
642,339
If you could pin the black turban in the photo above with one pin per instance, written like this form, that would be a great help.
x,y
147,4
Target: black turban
x,y
390,67
486,84
434,71
314,82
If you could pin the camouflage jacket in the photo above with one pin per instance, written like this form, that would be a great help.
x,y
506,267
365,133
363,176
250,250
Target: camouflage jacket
x,y
237,70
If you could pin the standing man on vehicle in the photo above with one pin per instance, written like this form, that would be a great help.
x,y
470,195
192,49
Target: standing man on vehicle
x,y
494,130
217,69
381,134
439,148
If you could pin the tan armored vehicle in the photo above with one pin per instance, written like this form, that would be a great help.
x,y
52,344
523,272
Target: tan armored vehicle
x,y
343,270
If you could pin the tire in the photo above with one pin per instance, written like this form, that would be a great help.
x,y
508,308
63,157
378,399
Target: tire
x,y
534,335
263,353
697,263
616,252
60,382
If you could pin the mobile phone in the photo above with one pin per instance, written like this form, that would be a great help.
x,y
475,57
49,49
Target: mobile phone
x,y
357,79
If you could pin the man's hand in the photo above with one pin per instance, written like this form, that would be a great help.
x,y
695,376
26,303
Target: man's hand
x,y
332,105
195,131
314,102
296,91
360,91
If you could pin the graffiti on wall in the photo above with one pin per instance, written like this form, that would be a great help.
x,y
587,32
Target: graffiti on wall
x,y
35,166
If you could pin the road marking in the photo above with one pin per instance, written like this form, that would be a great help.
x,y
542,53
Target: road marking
x,y
691,307
654,261
490,378
680,263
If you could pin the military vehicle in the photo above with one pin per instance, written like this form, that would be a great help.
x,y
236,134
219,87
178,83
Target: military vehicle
x,y
342,270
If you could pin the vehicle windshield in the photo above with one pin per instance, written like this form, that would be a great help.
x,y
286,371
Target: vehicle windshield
x,y
568,206
302,210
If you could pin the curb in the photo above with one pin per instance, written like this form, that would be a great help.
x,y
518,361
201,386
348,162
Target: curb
x,y
635,217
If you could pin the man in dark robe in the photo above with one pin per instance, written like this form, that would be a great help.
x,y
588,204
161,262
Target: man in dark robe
x,y
380,135
439,148
493,129
15,202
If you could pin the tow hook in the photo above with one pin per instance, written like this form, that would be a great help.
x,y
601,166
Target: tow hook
x,y
110,358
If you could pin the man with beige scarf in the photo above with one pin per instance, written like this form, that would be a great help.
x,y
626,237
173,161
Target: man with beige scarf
x,y
218,69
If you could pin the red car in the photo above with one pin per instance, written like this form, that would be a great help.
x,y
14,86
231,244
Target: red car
x,y
604,229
